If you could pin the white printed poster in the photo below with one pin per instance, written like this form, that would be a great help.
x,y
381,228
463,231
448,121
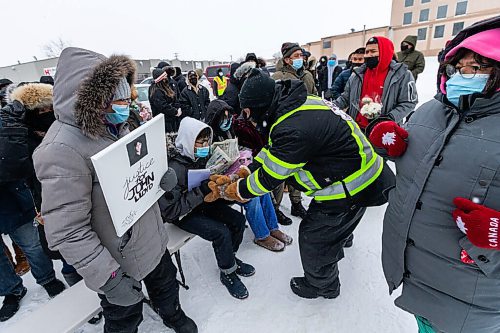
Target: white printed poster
x,y
130,171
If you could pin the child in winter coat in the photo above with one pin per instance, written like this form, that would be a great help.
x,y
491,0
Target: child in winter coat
x,y
216,222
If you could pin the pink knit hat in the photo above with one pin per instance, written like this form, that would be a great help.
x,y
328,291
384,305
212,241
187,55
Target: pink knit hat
x,y
485,43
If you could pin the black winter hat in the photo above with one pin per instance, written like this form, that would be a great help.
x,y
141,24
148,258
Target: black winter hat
x,y
162,64
5,82
251,57
47,79
157,72
257,91
288,48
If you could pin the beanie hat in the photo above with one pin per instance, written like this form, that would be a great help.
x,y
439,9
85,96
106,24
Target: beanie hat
x,y
159,74
5,82
123,90
287,49
47,79
162,64
251,57
372,40
257,91
482,43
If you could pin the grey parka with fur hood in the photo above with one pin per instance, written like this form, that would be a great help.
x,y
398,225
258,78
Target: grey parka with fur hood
x,y
77,220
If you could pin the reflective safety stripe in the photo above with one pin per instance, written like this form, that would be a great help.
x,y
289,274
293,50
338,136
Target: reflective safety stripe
x,y
306,179
355,185
221,85
254,186
275,167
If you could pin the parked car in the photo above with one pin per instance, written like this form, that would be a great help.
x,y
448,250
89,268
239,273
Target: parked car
x,y
211,71
143,97
148,81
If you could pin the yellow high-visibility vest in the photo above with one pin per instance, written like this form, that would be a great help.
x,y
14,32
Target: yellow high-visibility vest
x,y
221,85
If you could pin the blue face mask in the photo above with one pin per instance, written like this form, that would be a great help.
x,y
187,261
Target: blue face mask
x,y
120,115
332,63
202,152
297,63
226,125
457,86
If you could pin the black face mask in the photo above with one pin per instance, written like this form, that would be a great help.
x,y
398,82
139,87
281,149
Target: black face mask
x,y
371,62
193,81
404,47
356,64
40,122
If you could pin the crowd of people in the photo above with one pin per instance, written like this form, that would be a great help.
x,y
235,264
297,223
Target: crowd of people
x,y
311,127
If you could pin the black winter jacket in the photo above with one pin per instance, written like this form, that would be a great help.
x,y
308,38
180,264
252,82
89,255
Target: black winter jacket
x,y
319,138
194,104
231,97
161,103
181,82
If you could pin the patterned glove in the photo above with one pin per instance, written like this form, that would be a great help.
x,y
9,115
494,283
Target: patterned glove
x,y
391,137
478,222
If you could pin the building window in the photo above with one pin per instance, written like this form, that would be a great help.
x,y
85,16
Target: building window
x,y
424,15
407,18
457,27
421,33
408,3
327,44
461,8
425,1
442,11
439,31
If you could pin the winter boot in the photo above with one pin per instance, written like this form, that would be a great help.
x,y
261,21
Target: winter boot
x,y
349,241
270,243
282,218
234,285
181,323
54,287
282,237
22,266
11,305
302,288
244,269
298,210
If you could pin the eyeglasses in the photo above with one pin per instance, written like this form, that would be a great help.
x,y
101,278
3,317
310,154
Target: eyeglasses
x,y
465,70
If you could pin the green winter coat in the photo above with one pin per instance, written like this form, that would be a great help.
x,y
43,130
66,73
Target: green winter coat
x,y
286,72
412,58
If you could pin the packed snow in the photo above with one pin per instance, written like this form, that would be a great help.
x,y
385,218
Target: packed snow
x,y
364,304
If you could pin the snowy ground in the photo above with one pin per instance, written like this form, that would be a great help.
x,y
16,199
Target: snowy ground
x,y
364,305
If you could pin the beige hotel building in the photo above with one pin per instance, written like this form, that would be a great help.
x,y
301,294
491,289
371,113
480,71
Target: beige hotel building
x,y
433,21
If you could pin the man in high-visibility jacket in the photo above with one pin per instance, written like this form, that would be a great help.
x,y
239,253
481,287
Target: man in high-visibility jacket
x,y
322,152
220,83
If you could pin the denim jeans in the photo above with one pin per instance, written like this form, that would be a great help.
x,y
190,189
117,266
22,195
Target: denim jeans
x,y
261,216
26,237
220,224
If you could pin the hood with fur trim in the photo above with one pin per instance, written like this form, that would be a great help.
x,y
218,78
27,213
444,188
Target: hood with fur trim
x,y
8,93
33,95
84,85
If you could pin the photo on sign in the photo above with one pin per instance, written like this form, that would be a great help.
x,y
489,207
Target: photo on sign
x,y
137,149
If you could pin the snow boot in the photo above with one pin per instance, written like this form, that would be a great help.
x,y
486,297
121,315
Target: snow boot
x,y
54,287
299,210
349,241
244,269
181,323
282,218
302,288
282,237
22,266
270,243
234,285
11,305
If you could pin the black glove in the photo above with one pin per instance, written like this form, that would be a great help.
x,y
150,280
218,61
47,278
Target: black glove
x,y
169,180
122,290
204,187
328,94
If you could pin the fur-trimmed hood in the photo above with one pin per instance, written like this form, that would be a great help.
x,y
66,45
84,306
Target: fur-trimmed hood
x,y
84,85
8,93
33,95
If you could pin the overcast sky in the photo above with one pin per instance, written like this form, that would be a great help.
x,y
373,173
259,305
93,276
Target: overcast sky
x,y
195,29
